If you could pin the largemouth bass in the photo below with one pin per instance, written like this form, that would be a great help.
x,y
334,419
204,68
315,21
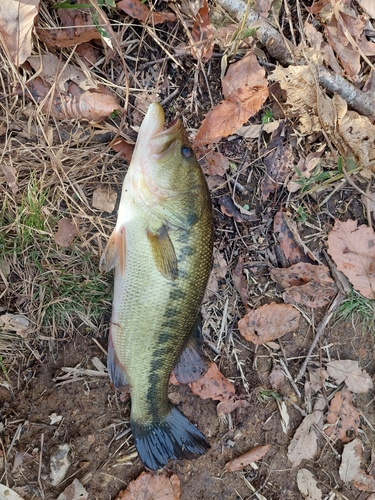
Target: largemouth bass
x,y
161,249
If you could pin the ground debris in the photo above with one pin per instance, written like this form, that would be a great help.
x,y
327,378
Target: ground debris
x,y
247,458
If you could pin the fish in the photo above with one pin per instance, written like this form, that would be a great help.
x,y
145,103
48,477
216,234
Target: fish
x,y
161,253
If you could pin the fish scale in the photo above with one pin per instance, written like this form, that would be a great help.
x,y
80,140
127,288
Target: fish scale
x,y
161,250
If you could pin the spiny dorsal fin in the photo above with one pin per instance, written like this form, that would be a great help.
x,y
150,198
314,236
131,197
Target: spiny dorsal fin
x,y
114,253
163,253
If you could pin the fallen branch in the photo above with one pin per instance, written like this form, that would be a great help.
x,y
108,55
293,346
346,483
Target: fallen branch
x,y
283,52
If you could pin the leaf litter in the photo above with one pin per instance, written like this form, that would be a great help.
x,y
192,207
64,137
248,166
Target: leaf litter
x,y
72,191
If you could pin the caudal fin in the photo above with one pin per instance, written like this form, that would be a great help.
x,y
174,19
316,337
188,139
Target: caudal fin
x,y
173,437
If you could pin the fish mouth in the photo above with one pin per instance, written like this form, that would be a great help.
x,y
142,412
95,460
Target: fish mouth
x,y
153,139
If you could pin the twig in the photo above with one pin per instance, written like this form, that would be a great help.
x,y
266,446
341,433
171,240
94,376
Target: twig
x,y
319,332
40,465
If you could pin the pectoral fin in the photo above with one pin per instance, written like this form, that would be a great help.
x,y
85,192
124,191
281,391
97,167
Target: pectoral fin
x,y
114,253
163,253
191,366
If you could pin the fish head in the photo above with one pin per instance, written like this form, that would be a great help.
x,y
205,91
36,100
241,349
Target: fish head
x,y
166,176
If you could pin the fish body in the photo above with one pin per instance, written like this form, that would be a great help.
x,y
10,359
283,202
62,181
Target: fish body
x,y
161,249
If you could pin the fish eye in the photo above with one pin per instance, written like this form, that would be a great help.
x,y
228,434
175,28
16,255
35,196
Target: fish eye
x,y
186,152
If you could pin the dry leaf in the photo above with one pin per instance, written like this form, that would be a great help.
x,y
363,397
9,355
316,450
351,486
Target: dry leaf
x,y
240,282
350,468
203,34
124,148
368,6
304,442
306,167
75,491
253,131
350,132
16,27
285,419
150,486
218,272
290,241
279,163
54,71
140,11
353,250
277,378
245,90
93,105
15,323
7,493
305,284
65,232
253,455
349,371
269,322
226,407
232,209
213,385
104,199
230,114
343,418
308,485
317,378
214,163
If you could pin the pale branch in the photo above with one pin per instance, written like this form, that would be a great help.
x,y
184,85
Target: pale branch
x,y
282,50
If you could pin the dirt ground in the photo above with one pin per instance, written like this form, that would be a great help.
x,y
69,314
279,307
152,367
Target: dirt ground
x,y
55,392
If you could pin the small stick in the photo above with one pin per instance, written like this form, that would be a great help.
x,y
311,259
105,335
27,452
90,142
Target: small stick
x,y
40,465
319,332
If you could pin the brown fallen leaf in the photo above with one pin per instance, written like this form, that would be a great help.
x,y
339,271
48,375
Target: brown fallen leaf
x,y
213,163
15,323
368,6
269,322
353,250
350,132
16,27
254,130
307,485
140,11
317,378
306,167
304,443
349,371
213,385
233,209
279,163
230,114
93,105
226,407
124,148
343,418
305,284
203,34
218,272
253,455
245,90
104,199
240,283
65,232
350,469
150,486
290,241
75,491
54,71
277,378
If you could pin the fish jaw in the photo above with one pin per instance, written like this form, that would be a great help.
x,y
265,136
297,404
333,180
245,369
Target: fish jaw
x,y
153,124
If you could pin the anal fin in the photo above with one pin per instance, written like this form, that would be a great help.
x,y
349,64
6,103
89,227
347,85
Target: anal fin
x,y
116,369
163,253
114,253
191,366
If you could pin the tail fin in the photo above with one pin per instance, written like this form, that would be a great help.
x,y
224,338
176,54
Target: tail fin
x,y
173,437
